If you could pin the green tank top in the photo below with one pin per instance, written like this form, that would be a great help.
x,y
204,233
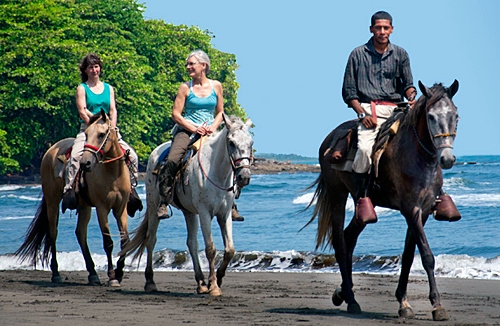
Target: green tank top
x,y
96,102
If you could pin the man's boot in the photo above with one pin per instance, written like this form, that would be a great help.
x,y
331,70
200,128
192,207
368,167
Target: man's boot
x,y
445,209
69,200
134,203
365,212
235,214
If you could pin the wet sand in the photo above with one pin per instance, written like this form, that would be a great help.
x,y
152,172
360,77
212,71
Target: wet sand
x,y
249,298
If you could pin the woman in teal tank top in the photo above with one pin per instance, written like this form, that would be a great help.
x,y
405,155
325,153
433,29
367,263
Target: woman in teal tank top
x,y
198,109
92,95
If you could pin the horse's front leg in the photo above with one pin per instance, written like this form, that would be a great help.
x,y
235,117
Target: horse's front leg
x,y
416,226
226,227
210,252
122,222
192,243
102,216
81,235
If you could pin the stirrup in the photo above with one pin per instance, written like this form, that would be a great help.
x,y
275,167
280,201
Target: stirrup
x,y
445,209
365,212
69,200
134,203
163,211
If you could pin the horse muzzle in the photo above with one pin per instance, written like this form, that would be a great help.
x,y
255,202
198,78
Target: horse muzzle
x,y
86,166
243,177
446,158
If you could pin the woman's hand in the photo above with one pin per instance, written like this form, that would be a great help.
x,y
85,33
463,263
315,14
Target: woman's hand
x,y
203,129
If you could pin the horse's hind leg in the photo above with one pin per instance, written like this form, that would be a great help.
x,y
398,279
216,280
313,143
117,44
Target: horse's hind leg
x,y
52,211
192,243
153,223
226,227
405,310
81,235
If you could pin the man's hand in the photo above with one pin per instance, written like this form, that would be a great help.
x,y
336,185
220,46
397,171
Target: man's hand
x,y
368,122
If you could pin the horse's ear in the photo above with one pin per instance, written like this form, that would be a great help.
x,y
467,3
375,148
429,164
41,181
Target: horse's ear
x,y
453,89
104,116
226,119
248,123
425,91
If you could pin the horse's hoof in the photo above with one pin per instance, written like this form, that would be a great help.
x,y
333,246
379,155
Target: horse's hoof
x,y
150,287
439,314
337,297
56,279
94,280
406,312
354,308
114,283
202,289
216,292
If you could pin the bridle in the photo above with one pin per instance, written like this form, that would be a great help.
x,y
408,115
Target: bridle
x,y
436,148
98,151
235,166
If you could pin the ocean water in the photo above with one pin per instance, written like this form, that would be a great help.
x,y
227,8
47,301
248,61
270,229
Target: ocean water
x,y
269,238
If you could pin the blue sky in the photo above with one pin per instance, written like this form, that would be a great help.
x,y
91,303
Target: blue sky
x,y
292,56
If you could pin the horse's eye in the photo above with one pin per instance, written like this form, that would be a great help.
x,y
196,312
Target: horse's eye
x,y
101,135
231,144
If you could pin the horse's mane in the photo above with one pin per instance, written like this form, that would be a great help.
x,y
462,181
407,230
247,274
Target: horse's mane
x,y
437,91
236,124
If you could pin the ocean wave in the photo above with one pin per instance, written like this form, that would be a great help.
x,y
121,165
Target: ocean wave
x,y
477,200
455,266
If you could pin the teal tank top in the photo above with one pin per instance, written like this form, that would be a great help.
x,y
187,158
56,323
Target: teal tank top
x,y
96,102
200,109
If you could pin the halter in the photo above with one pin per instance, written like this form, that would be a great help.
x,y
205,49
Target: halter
x,y
235,165
99,153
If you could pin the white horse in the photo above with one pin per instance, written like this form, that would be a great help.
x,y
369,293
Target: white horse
x,y
207,189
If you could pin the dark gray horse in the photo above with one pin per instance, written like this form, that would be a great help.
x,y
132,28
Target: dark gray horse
x,y
409,179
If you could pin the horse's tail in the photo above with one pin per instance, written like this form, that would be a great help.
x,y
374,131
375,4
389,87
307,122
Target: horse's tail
x,y
36,236
323,211
138,240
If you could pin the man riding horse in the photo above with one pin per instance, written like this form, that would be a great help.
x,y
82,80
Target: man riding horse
x,y
376,77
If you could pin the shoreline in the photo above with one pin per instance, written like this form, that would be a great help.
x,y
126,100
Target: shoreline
x,y
262,298
259,166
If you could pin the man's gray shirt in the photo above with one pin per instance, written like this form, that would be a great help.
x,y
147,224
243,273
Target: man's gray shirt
x,y
371,76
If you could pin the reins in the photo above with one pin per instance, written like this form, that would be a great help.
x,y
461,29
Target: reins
x,y
233,165
443,135
98,150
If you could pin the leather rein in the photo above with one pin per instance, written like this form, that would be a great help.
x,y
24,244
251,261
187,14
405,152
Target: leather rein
x,y
235,165
98,151
436,148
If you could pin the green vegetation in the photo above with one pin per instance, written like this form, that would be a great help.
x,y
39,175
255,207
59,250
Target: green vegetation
x,y
41,45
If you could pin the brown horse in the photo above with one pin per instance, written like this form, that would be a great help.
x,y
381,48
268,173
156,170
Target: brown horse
x,y
408,179
106,187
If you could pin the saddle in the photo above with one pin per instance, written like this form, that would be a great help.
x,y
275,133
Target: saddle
x,y
344,139
193,148
79,182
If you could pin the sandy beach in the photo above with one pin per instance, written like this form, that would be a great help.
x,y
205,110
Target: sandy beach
x,y
258,298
